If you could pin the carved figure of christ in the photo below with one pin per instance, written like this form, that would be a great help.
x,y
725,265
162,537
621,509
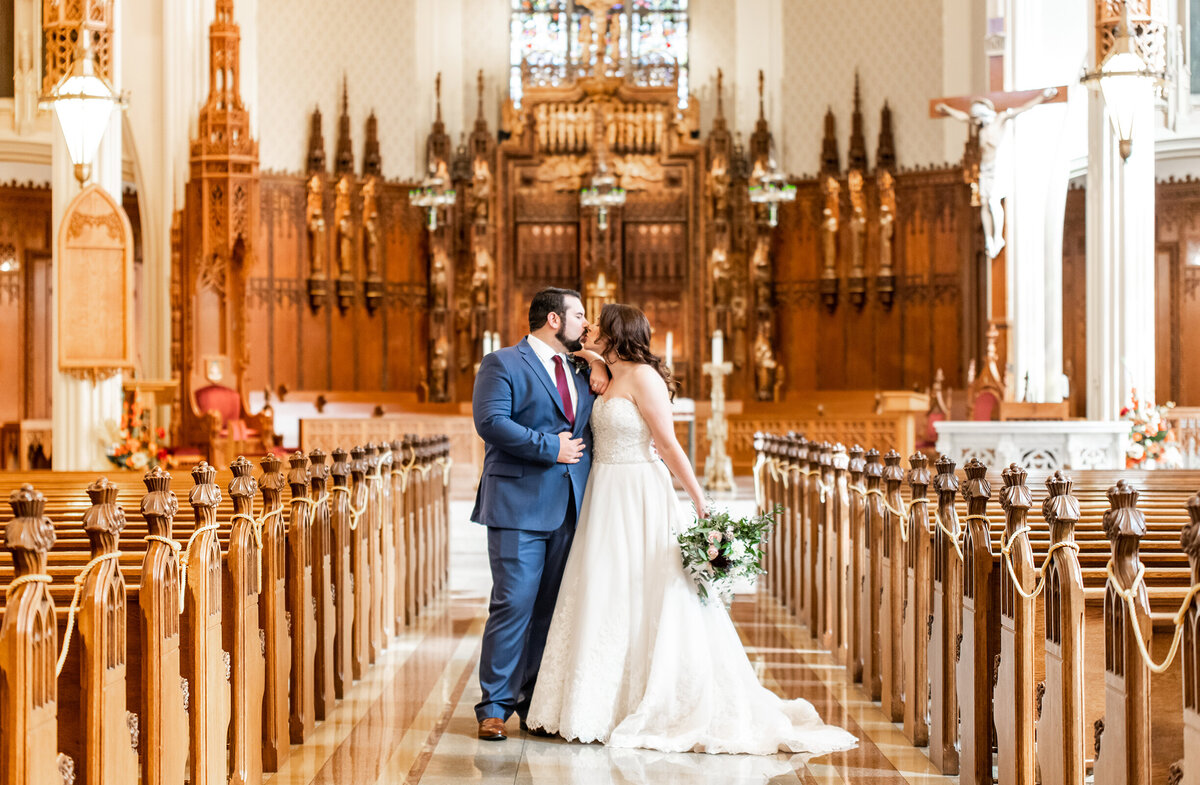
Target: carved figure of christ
x,y
990,115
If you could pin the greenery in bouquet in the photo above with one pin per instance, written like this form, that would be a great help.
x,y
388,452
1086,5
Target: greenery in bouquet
x,y
720,549
1151,441
135,445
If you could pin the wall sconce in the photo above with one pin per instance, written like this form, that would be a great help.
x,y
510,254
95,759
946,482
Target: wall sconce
x,y
432,195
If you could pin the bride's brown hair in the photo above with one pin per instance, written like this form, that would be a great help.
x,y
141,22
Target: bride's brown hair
x,y
628,333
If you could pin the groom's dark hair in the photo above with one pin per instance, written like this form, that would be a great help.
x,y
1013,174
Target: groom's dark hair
x,y
546,302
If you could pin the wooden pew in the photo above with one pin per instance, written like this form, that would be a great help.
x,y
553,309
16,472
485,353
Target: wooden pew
x,y
857,638
28,650
242,585
871,596
916,618
980,631
892,603
359,564
277,645
301,603
946,613
342,576
324,692
197,670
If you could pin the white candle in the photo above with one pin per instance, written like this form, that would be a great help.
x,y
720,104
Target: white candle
x,y
487,342
670,350
718,348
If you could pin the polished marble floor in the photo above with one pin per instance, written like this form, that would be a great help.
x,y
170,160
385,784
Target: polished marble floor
x,y
412,721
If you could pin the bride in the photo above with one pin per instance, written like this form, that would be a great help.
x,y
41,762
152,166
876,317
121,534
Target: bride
x,y
633,658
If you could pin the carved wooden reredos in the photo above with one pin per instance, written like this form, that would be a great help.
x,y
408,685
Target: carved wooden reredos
x,y
333,280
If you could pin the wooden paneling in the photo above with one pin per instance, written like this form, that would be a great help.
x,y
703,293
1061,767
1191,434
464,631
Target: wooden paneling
x,y
873,346
1074,287
25,302
1177,277
330,349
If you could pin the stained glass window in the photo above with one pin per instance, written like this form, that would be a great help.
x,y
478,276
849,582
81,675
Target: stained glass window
x,y
554,41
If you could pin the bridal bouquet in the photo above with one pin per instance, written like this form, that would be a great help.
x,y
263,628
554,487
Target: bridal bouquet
x,y
720,549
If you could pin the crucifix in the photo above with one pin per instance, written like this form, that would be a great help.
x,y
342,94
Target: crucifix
x,y
718,467
988,116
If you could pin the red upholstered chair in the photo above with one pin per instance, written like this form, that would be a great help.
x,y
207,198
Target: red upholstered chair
x,y
938,411
985,391
231,429
985,406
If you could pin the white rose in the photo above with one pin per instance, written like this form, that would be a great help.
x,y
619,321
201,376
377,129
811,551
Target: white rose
x,y
139,460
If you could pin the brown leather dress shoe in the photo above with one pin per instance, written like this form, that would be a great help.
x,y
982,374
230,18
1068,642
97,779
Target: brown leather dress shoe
x,y
492,729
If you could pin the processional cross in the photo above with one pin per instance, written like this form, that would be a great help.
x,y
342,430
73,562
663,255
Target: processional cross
x,y
718,467
989,115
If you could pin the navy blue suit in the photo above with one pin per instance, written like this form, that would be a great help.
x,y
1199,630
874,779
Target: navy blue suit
x,y
530,503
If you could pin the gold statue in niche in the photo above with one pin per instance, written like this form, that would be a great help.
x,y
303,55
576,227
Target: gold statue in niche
x,y
766,368
857,286
315,220
886,279
345,229
829,230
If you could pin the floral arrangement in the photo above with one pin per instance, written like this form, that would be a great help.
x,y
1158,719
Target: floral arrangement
x,y
134,445
721,549
1151,442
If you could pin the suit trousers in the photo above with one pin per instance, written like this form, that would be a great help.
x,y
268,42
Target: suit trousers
x,y
527,568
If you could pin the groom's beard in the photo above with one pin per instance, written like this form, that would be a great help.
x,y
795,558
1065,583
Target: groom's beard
x,y
570,344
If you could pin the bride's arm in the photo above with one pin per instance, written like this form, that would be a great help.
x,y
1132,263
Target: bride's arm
x,y
601,377
650,395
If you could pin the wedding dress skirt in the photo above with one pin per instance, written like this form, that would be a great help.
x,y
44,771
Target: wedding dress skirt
x,y
633,657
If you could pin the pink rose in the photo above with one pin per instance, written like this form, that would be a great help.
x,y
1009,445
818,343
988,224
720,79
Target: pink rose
x,y
713,551
714,537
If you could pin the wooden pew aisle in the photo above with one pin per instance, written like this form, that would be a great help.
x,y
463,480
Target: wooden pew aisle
x,y
983,632
168,647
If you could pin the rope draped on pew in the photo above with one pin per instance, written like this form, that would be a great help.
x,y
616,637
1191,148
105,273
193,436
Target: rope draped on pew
x,y
955,536
901,513
403,471
1131,606
757,472
1006,550
79,581
33,577
355,512
445,463
256,529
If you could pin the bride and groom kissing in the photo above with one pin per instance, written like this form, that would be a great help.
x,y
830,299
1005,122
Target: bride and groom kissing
x,y
595,631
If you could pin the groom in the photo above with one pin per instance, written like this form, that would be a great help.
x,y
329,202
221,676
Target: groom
x,y
531,408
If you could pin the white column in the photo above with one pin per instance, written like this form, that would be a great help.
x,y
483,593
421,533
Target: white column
x,y
81,410
1045,50
1120,260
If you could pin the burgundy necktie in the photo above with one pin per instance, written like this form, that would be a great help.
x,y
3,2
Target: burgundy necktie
x,y
560,378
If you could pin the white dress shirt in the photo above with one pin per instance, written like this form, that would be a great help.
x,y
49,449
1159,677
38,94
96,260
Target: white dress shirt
x,y
547,354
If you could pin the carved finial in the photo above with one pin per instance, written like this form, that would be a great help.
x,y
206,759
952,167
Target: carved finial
x,y
762,114
858,463
298,474
720,93
316,144
977,486
437,89
945,482
1123,518
318,471
160,501
1016,493
874,464
29,530
479,96
918,474
830,158
205,492
892,471
344,164
372,160
885,153
105,516
1189,537
272,478
857,154
243,484
358,463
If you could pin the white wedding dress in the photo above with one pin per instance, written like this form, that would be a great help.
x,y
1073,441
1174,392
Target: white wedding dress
x,y
633,657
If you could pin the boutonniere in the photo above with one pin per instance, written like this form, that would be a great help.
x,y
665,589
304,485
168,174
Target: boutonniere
x,y
579,363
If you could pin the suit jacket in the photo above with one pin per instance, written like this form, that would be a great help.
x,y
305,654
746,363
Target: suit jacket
x,y
519,413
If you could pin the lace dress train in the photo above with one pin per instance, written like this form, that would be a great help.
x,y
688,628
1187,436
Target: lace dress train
x,y
633,658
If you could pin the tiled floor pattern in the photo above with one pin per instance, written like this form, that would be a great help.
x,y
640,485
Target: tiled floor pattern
x,y
411,719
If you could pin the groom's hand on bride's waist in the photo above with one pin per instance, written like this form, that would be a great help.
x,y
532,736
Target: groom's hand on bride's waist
x,y
569,450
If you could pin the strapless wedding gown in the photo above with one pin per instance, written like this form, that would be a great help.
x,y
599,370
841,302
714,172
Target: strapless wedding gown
x,y
633,657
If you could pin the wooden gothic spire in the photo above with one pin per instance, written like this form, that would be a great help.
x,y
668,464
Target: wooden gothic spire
x,y
344,162
857,154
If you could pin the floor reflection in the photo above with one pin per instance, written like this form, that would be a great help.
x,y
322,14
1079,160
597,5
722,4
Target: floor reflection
x,y
548,761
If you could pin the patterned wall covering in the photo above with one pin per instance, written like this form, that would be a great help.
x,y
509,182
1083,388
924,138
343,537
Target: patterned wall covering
x,y
897,48
305,47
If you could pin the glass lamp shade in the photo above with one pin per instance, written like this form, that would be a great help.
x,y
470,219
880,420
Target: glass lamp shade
x,y
1123,81
83,104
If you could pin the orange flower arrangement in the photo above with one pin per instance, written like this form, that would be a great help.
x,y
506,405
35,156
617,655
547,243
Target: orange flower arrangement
x,y
1151,442
136,446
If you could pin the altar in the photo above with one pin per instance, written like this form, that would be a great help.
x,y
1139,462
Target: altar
x,y
1043,445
